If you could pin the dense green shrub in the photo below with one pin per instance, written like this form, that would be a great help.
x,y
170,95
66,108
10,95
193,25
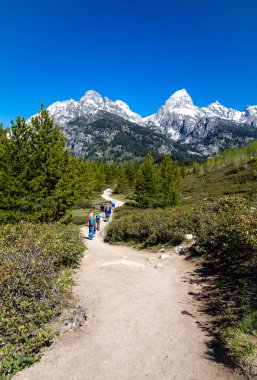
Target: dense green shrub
x,y
227,233
227,239
151,227
79,217
33,286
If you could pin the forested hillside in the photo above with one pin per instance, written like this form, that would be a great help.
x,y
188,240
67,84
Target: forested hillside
x,y
113,139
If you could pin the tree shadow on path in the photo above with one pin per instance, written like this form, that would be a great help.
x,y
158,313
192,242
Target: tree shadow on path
x,y
207,317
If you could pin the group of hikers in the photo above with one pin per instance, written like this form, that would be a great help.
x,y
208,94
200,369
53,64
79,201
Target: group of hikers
x,y
94,221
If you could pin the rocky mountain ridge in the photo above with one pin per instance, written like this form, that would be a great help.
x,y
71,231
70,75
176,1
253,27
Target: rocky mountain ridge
x,y
94,123
179,117
179,105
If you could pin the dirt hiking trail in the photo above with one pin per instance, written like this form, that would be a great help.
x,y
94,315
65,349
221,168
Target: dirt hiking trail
x,y
142,323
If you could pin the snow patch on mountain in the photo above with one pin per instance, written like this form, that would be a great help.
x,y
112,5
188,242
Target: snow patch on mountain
x,y
88,106
217,109
65,111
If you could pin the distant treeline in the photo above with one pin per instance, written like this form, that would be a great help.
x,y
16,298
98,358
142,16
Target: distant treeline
x,y
154,185
239,157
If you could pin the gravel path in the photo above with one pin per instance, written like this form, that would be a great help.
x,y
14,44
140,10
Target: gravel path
x,y
142,323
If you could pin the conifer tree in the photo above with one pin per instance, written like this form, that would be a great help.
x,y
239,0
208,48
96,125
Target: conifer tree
x,y
130,172
41,181
169,181
100,176
14,167
122,182
5,179
183,170
146,186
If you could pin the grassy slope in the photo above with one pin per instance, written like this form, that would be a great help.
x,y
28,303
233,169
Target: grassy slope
x,y
229,180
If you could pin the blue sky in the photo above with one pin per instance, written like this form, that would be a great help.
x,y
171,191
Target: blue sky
x,y
140,51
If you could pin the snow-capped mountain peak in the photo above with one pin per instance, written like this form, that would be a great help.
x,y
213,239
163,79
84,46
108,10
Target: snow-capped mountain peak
x,y
88,106
91,101
217,109
91,94
179,103
179,99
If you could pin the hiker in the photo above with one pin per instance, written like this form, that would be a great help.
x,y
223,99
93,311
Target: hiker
x,y
98,220
113,204
102,210
91,227
107,213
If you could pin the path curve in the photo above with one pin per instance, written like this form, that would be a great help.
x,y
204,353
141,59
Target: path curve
x,y
107,196
142,323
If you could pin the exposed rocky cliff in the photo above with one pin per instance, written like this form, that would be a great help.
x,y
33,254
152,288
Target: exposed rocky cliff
x,y
112,138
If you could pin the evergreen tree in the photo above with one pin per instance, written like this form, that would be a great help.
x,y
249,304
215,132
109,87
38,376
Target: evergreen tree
x,y
40,177
5,179
146,185
14,168
169,181
130,172
122,182
183,170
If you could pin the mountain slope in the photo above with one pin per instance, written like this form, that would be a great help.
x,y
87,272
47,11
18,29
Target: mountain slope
x,y
215,135
112,138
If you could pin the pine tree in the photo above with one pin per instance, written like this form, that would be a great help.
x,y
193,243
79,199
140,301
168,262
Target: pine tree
x,y
40,176
123,183
130,172
183,170
100,176
5,178
169,175
14,168
146,186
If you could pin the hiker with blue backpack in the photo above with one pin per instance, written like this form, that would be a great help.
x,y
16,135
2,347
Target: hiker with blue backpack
x,y
91,226
98,220
107,213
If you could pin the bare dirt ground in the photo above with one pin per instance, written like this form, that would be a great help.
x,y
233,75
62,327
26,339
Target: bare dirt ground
x,y
142,323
